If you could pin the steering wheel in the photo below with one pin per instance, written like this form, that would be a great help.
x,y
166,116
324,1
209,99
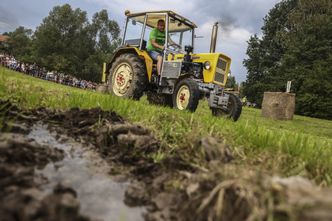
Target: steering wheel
x,y
175,46
174,49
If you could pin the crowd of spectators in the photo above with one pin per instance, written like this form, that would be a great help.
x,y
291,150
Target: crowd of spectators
x,y
39,72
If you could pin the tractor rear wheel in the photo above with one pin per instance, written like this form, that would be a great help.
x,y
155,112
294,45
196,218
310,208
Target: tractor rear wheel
x,y
186,95
160,99
127,77
234,109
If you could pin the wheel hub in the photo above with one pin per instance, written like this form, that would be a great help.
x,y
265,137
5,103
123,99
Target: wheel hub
x,y
183,97
122,79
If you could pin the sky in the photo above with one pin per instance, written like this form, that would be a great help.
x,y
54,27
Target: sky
x,y
239,19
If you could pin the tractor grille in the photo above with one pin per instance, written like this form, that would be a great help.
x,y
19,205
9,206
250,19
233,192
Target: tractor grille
x,y
220,71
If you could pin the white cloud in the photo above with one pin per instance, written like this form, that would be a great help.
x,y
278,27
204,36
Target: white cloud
x,y
119,6
4,25
237,35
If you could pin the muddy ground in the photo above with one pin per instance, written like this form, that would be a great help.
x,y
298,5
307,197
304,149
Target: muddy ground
x,y
94,165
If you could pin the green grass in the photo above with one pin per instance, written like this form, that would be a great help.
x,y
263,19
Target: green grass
x,y
301,146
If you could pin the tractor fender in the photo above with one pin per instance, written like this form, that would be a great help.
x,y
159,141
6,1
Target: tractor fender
x,y
141,53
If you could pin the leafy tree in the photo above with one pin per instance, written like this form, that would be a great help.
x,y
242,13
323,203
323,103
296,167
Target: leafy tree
x,y
255,84
105,34
296,45
4,47
19,44
61,42
265,54
68,43
231,82
308,58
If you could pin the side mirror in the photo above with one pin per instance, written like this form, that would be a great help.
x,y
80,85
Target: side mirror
x,y
195,36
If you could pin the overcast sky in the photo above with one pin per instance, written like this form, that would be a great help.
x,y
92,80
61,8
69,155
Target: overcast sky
x,y
239,18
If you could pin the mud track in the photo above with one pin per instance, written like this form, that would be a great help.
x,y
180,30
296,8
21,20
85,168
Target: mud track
x,y
50,161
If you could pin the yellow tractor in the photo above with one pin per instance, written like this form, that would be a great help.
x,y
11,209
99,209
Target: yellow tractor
x,y
185,77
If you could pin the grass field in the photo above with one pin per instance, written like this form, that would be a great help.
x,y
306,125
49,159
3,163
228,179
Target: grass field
x,y
302,146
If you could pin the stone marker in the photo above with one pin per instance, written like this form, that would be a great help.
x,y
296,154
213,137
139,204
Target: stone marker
x,y
278,105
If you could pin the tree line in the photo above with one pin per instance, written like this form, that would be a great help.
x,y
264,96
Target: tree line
x,y
296,46
67,42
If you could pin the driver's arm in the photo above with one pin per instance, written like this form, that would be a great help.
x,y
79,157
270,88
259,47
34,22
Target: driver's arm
x,y
156,45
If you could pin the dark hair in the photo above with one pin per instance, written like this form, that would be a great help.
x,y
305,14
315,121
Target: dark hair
x,y
160,20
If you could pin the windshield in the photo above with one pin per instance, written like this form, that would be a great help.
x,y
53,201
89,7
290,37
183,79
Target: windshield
x,y
178,31
134,29
182,38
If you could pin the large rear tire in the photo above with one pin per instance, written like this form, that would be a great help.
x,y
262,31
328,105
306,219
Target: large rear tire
x,y
127,78
233,111
186,95
160,99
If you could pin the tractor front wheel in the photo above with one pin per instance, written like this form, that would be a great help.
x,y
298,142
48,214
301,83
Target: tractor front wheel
x,y
186,95
234,109
127,77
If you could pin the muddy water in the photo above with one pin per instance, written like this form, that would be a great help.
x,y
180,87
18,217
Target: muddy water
x,y
85,171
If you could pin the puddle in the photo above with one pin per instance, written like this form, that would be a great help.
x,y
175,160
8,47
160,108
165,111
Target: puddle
x,y
87,173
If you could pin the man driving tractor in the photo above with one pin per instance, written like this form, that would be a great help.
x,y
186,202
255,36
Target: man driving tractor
x,y
156,43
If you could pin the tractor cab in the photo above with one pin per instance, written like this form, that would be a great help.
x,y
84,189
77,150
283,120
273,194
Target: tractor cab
x,y
177,29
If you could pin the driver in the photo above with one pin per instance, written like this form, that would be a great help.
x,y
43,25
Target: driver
x,y
156,43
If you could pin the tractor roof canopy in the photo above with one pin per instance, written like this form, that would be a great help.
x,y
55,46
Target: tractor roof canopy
x,y
176,22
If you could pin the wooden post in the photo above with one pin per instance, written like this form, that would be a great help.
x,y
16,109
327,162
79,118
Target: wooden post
x,y
103,77
278,105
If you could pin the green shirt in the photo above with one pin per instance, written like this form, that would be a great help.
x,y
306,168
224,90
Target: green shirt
x,y
158,36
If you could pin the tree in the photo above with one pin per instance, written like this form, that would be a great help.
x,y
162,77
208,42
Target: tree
x,y
67,42
231,83
105,34
61,42
264,55
19,44
255,84
308,58
296,45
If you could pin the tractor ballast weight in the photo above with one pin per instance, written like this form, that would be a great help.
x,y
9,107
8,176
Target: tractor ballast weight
x,y
185,78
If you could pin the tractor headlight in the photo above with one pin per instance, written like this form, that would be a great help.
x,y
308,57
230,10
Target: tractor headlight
x,y
207,65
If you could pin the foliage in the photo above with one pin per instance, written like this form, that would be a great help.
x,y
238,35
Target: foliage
x,y
231,82
19,43
67,42
296,45
4,46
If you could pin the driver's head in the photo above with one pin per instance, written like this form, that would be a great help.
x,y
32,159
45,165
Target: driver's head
x,y
161,25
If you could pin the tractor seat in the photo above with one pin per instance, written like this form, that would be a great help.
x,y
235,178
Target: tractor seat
x,y
136,43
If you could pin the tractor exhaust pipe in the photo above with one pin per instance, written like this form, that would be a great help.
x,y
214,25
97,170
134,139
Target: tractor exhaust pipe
x,y
214,38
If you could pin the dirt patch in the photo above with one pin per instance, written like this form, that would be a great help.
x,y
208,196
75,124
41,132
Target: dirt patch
x,y
212,185
21,198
